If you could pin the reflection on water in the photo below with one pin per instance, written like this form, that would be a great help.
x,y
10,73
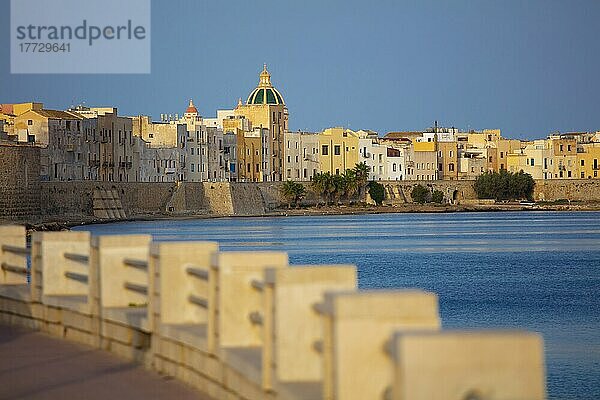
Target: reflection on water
x,y
535,270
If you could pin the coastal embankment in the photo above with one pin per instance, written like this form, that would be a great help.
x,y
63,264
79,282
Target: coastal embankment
x,y
57,205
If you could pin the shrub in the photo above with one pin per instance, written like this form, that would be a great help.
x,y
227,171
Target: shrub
x,y
419,194
437,196
504,185
377,192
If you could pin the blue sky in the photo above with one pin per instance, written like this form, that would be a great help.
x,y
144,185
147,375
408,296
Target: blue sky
x,y
526,67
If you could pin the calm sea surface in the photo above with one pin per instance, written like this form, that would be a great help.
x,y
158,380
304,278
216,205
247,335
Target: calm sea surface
x,y
535,270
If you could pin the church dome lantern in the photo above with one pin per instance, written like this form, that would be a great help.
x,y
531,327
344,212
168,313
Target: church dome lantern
x,y
265,93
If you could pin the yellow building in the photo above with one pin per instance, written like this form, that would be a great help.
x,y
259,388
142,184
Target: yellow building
x,y
529,159
156,134
447,160
266,109
338,150
562,158
249,145
9,112
425,161
588,161
37,125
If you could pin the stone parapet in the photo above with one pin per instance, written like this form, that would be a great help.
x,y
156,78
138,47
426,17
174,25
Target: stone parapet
x,y
248,326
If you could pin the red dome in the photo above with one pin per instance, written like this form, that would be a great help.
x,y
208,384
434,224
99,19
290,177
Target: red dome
x,y
191,108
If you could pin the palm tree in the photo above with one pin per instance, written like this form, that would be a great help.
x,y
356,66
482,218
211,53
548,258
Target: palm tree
x,y
351,183
293,192
338,186
320,183
362,175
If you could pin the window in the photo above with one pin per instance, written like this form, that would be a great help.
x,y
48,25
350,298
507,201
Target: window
x,y
561,147
583,163
569,147
532,162
192,166
29,122
568,174
501,154
325,150
394,167
490,158
451,153
336,150
451,167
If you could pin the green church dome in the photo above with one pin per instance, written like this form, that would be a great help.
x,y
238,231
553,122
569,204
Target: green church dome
x,y
265,93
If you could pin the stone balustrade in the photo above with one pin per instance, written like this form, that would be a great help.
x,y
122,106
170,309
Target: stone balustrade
x,y
247,325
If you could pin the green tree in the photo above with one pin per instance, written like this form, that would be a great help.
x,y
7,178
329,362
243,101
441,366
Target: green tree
x,y
504,185
420,194
377,192
361,171
323,184
293,192
351,184
437,197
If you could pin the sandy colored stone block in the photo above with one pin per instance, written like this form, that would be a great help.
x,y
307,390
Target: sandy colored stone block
x,y
53,314
18,307
80,336
357,327
175,264
295,326
54,330
464,365
48,258
117,332
77,320
237,298
14,236
109,254
171,351
38,310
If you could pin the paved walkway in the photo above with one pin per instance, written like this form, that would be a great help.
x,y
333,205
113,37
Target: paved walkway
x,y
36,366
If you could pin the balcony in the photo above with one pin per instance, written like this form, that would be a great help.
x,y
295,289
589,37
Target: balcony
x,y
94,163
70,147
169,170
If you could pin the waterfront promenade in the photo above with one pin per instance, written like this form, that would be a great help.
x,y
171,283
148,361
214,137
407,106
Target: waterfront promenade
x,y
35,366
249,326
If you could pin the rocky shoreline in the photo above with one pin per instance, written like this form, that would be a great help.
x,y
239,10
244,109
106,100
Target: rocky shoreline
x,y
56,224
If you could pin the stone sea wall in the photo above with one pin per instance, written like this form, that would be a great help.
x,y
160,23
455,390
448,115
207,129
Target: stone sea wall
x,y
25,198
19,182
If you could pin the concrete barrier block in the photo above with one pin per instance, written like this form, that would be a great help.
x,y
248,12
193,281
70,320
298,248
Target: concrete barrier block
x,y
289,340
77,320
468,365
237,298
175,264
117,332
48,259
13,236
110,253
357,326
53,314
80,336
171,351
